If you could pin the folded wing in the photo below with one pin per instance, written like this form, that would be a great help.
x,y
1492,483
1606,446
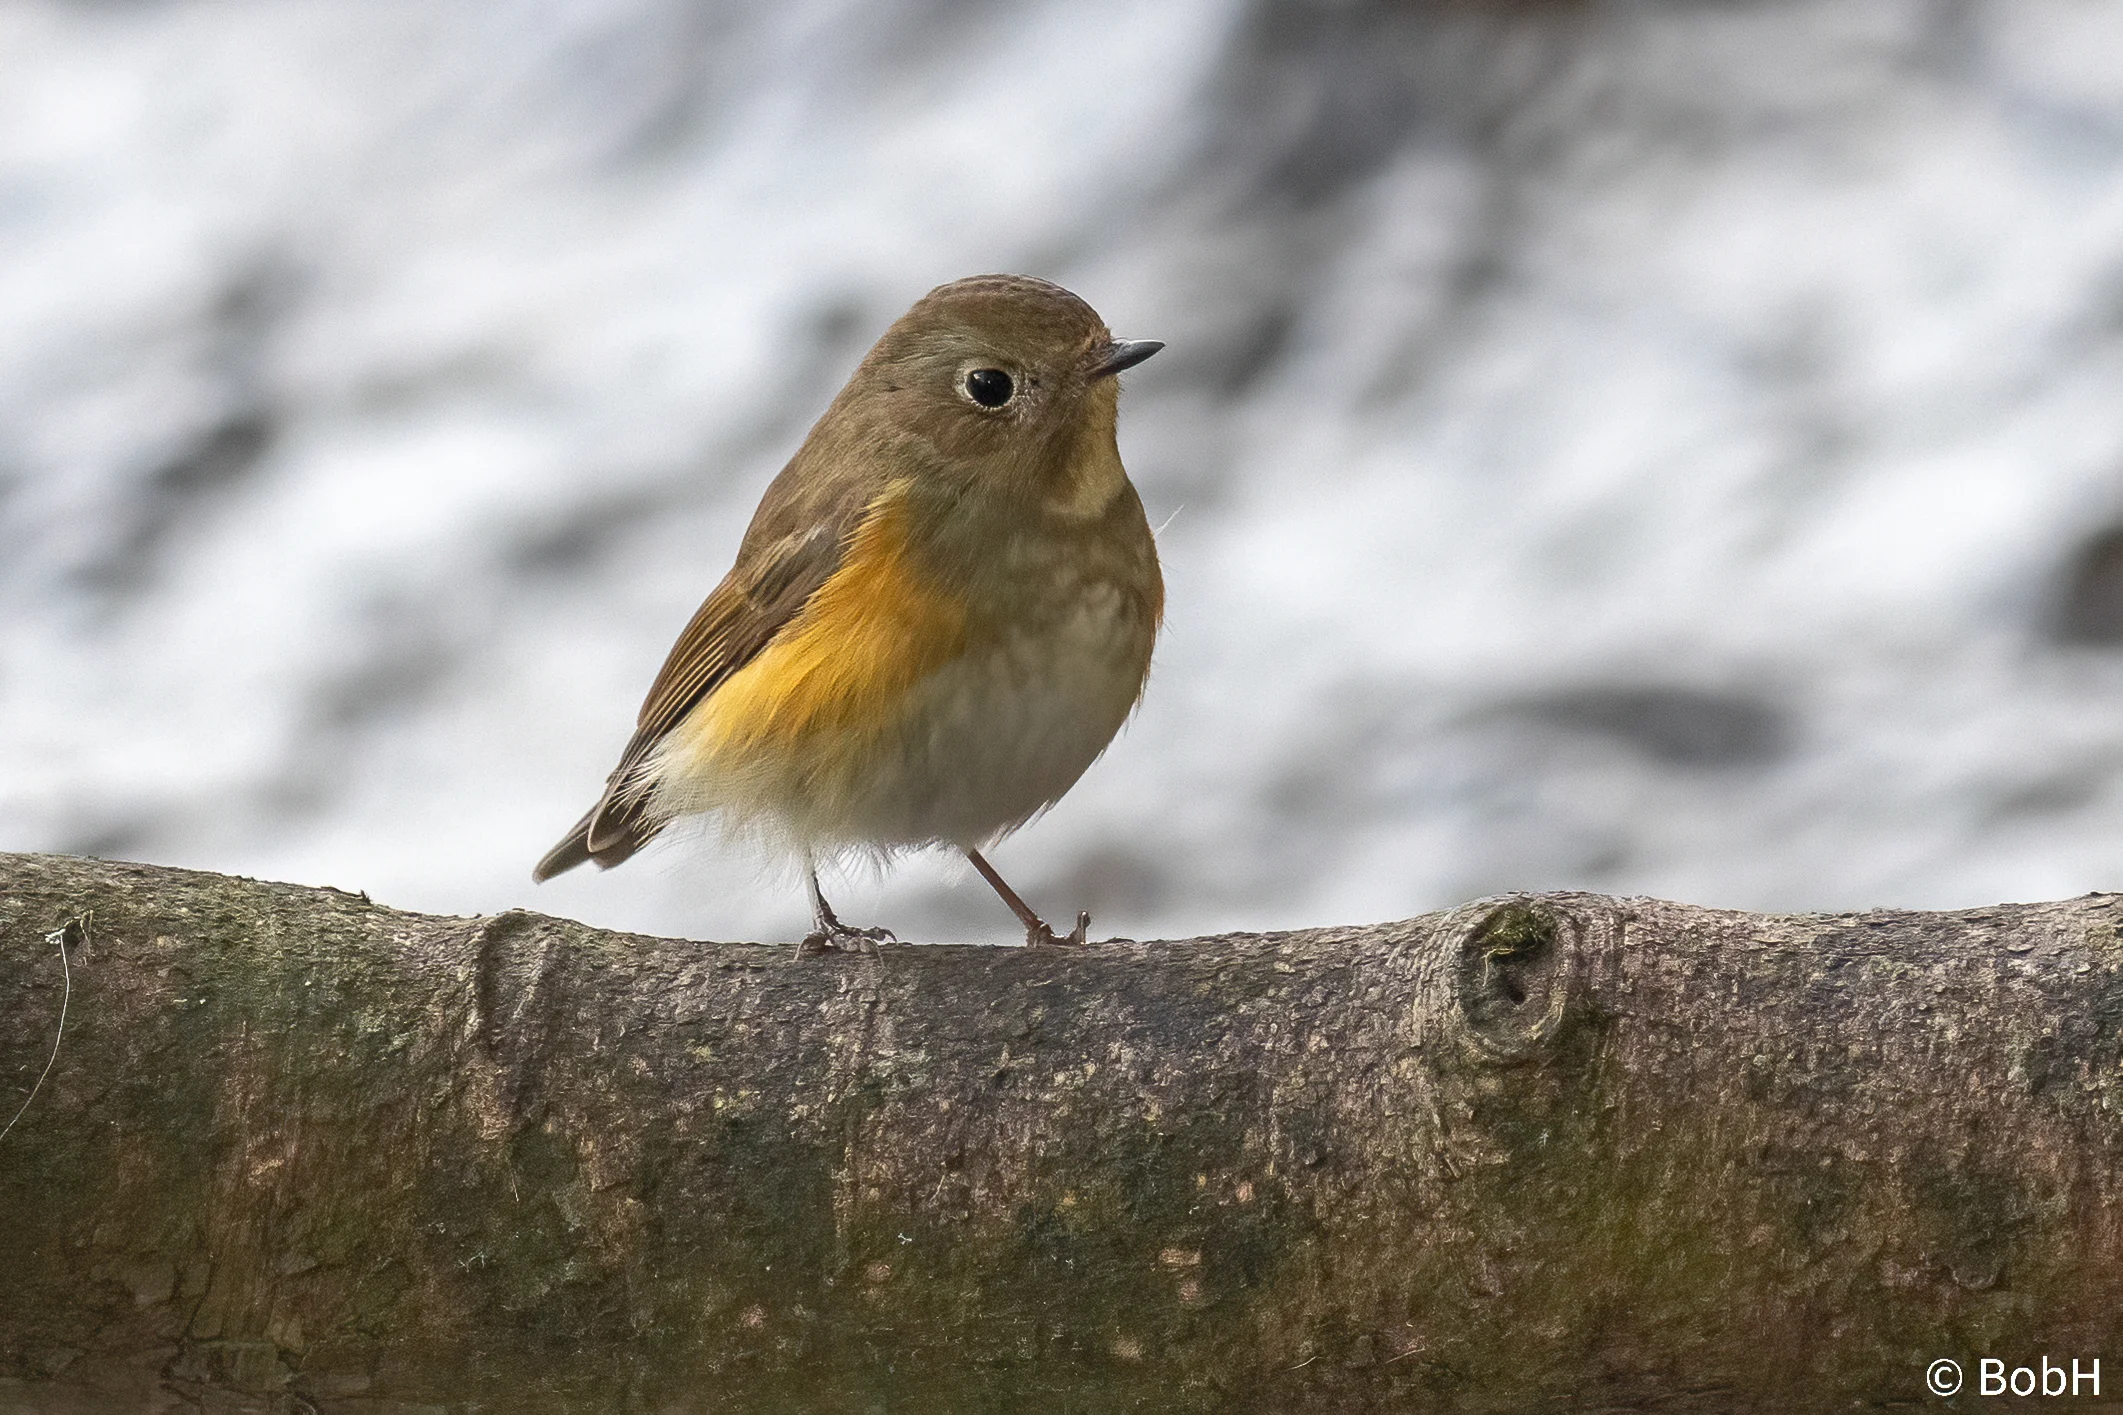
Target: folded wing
x,y
773,579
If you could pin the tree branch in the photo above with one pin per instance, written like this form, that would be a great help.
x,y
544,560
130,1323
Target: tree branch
x,y
299,1152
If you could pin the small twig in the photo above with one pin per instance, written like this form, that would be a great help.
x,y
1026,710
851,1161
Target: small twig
x,y
66,974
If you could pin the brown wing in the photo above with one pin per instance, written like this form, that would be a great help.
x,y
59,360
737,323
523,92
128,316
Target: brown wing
x,y
777,571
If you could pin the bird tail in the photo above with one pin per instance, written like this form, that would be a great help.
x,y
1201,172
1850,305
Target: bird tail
x,y
573,850
612,830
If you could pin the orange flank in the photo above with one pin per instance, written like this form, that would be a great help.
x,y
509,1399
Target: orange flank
x,y
843,666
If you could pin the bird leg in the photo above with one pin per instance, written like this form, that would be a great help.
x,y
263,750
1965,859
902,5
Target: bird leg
x,y
828,934
1037,934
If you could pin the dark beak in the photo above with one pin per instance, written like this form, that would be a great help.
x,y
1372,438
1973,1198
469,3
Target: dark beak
x,y
1125,353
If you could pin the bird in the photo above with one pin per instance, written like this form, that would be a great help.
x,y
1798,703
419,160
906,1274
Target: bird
x,y
942,611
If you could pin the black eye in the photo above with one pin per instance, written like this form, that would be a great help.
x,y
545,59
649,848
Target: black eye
x,y
989,387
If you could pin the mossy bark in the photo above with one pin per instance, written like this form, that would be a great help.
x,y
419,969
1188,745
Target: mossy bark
x,y
299,1152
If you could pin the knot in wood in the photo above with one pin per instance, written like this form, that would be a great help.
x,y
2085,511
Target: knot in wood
x,y
1512,965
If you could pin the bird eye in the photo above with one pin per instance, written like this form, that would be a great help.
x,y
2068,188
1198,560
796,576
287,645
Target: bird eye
x,y
989,387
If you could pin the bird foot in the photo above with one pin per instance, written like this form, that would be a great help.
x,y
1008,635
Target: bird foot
x,y
1040,936
837,937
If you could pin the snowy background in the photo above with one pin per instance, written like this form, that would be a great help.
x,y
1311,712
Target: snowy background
x,y
1656,447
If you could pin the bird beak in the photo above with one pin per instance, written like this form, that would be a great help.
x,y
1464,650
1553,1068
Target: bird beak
x,y
1125,353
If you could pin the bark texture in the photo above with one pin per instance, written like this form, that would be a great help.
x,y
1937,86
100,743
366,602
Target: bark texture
x,y
1563,1152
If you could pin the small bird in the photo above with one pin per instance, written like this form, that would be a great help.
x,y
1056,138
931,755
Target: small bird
x,y
940,615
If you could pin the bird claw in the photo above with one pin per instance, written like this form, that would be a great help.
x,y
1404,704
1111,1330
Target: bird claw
x,y
1044,937
839,938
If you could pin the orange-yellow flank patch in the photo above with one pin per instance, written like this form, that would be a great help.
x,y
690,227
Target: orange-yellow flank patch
x,y
843,666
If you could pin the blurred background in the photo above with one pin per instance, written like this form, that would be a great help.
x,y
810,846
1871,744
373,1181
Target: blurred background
x,y
1667,448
